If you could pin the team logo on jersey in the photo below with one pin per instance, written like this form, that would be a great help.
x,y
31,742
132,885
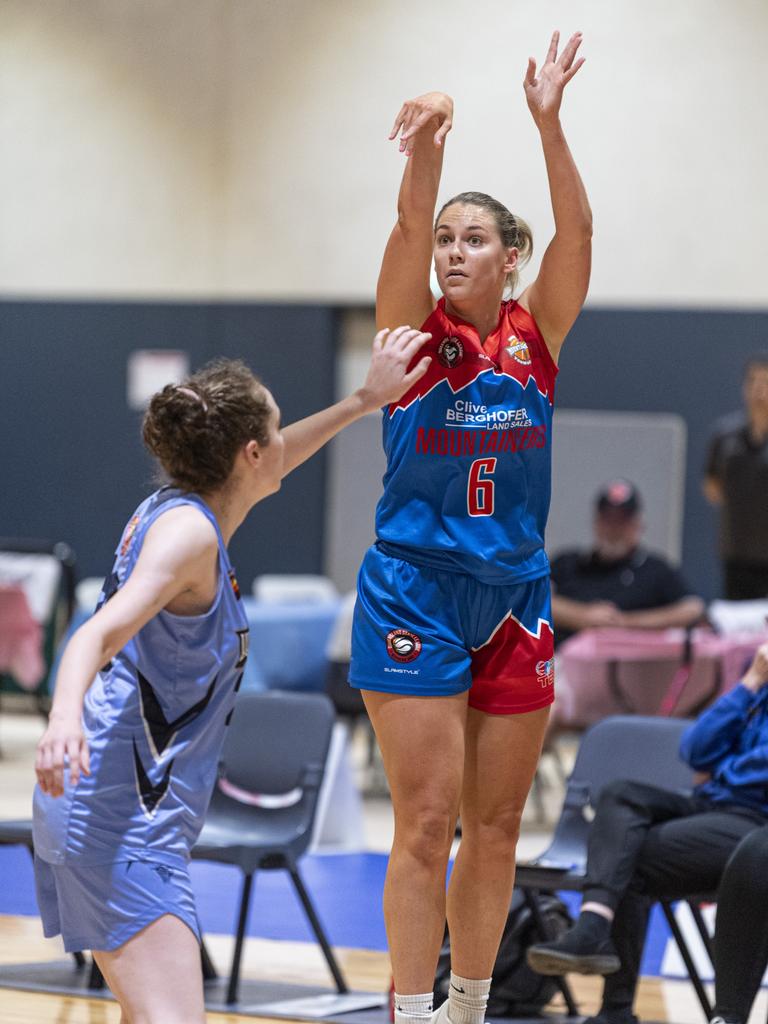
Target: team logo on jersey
x,y
402,645
545,672
518,350
235,584
128,535
450,352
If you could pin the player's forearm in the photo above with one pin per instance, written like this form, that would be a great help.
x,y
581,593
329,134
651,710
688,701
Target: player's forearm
x,y
681,613
570,205
421,180
305,437
84,655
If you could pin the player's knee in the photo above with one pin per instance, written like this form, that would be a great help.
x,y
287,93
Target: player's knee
x,y
496,833
427,834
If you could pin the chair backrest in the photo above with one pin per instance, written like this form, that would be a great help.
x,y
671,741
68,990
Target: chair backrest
x,y
632,747
278,742
638,748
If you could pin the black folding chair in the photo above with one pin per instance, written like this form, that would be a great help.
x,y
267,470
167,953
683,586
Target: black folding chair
x,y
263,807
632,747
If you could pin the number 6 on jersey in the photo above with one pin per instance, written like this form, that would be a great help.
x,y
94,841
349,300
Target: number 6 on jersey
x,y
480,487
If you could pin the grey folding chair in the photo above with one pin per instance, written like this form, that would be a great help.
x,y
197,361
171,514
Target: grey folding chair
x,y
263,806
632,747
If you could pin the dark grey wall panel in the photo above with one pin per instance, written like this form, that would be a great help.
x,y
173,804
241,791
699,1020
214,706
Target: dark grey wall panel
x,y
73,466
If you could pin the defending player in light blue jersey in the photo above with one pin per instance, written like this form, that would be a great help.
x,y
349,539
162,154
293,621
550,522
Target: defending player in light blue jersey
x,y
146,687
452,642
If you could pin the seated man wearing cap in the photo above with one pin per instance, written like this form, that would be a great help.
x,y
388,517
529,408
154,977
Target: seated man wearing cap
x,y
618,582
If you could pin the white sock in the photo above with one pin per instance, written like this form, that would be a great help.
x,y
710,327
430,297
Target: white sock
x,y
413,1008
467,999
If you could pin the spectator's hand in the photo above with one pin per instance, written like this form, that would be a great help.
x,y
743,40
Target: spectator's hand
x,y
757,673
419,113
63,737
601,613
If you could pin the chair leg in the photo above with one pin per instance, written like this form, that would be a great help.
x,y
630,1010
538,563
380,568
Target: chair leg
x,y
685,953
95,978
531,898
209,970
234,974
706,938
317,928
79,959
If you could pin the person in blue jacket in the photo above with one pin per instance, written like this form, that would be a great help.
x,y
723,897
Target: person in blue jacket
x,y
648,843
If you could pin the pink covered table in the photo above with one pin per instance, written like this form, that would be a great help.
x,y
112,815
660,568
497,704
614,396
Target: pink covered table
x,y
603,672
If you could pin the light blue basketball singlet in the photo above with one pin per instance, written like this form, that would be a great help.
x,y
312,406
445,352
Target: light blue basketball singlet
x,y
154,721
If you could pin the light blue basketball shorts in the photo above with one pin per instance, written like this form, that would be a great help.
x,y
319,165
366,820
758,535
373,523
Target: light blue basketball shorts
x,y
102,906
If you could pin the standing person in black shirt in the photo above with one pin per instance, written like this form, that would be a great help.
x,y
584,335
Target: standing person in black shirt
x,y
736,479
618,582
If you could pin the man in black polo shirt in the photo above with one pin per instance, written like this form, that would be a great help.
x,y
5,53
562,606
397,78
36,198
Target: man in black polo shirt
x,y
618,582
736,479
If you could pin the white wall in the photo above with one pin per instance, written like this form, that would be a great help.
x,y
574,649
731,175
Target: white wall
x,y
237,148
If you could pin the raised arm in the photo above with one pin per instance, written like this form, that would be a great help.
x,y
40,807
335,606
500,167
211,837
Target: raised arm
x,y
557,295
388,378
402,292
179,555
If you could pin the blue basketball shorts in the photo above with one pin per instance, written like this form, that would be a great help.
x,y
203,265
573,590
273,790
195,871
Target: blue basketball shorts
x,y
431,633
102,906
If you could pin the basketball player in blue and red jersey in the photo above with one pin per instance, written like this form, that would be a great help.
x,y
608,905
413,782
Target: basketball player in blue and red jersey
x,y
146,687
452,640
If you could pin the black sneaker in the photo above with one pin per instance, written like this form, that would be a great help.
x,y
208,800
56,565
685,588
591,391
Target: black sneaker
x,y
717,1019
574,951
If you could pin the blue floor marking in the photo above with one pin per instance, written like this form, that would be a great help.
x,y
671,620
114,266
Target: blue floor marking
x,y
345,889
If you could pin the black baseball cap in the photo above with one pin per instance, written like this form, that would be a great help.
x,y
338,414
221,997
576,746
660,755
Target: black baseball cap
x,y
619,496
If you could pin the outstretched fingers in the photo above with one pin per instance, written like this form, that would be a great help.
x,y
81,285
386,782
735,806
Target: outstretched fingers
x,y
442,131
417,372
530,74
399,120
568,54
414,125
408,341
552,51
572,71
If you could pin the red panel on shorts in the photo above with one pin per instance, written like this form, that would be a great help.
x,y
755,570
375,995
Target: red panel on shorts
x,y
514,671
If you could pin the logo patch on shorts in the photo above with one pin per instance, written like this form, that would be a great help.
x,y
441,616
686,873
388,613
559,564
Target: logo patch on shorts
x,y
450,352
402,645
545,672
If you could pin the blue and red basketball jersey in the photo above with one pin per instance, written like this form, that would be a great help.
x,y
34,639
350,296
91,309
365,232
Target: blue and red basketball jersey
x,y
467,486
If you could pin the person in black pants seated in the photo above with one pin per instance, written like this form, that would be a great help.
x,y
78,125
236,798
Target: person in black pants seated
x,y
741,932
648,843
